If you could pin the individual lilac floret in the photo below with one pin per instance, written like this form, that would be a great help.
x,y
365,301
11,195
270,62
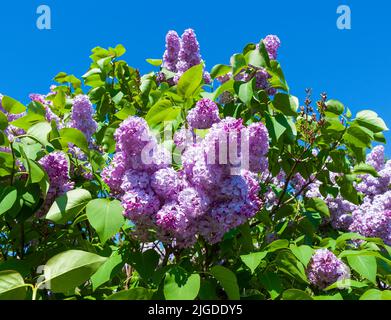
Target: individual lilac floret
x,y
325,268
82,116
204,114
173,46
166,183
272,44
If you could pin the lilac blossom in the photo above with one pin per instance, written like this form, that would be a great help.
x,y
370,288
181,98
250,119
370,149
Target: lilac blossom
x,y
325,268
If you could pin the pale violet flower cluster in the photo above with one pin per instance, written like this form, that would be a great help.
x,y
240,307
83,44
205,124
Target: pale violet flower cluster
x,y
203,199
204,115
325,268
373,217
56,166
82,116
181,54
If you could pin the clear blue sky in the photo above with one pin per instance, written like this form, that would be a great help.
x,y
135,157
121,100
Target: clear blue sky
x,y
353,66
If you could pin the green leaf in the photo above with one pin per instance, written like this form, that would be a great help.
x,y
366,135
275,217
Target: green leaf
x,y
280,126
272,283
317,205
8,197
371,120
257,57
179,286
345,284
374,294
107,270
3,121
155,62
238,62
295,294
190,81
303,253
40,132
29,120
227,280
364,168
12,106
337,296
132,294
74,136
277,245
246,92
379,137
219,70
359,137
67,206
335,106
365,266
12,286
69,269
105,217
162,111
145,263
253,260
285,103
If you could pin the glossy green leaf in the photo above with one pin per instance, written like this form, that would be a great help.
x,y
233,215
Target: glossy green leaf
x,y
69,269
374,294
105,217
12,106
227,280
253,260
190,81
295,294
67,206
371,120
365,266
12,286
285,103
178,285
132,294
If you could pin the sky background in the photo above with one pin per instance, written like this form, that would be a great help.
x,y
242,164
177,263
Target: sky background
x,y
350,65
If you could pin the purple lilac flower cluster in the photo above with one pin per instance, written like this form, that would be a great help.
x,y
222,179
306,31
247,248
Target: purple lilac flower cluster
x,y
57,168
373,217
204,115
203,198
181,54
325,268
82,116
